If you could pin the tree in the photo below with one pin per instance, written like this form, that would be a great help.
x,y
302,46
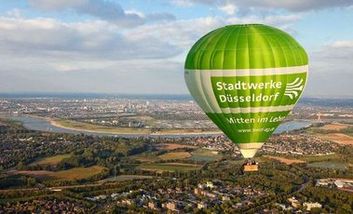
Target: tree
x,y
20,166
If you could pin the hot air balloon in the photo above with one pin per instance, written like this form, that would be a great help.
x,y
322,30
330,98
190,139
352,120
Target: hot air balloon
x,y
246,78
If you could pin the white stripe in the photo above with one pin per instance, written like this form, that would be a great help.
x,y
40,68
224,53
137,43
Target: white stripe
x,y
253,72
253,109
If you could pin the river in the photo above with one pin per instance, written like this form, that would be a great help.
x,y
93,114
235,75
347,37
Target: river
x,y
41,124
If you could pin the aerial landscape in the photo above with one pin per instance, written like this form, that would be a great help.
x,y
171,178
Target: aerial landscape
x,y
307,165
176,106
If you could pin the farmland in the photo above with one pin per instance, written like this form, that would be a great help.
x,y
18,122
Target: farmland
x,y
175,155
329,165
286,161
339,138
125,178
145,157
80,126
172,146
53,160
77,173
170,167
205,155
334,126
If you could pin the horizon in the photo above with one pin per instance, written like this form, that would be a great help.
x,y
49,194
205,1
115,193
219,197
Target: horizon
x,y
130,95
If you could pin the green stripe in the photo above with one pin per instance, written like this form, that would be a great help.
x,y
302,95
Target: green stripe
x,y
246,47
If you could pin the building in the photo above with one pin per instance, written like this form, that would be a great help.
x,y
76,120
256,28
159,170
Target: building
x,y
209,184
323,182
197,191
294,202
339,183
127,202
225,198
310,205
201,205
171,206
153,205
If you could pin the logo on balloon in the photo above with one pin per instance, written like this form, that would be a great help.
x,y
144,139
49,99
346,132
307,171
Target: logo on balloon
x,y
294,88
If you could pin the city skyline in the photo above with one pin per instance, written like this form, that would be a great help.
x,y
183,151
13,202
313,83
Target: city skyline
x,y
139,47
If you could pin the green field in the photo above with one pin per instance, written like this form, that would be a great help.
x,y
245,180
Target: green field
x,y
175,155
125,178
70,174
318,158
53,160
205,155
77,173
329,165
97,128
145,157
170,167
153,157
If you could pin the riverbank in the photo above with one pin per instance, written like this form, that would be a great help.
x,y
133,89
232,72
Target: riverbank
x,y
86,127
69,126
47,124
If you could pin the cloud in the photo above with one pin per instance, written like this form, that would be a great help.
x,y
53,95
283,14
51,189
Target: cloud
x,y
95,55
151,17
105,10
295,5
91,39
342,44
178,33
100,56
277,20
44,54
331,72
290,5
228,8
141,76
189,3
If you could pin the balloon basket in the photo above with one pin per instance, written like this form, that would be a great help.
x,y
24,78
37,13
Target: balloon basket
x,y
250,166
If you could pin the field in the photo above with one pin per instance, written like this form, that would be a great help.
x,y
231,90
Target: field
x,y
145,157
338,138
170,167
53,160
78,173
334,127
70,174
336,132
79,126
329,165
126,178
318,158
205,155
172,146
34,173
184,131
175,155
285,160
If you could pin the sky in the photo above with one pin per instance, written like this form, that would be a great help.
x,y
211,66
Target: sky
x,y
139,46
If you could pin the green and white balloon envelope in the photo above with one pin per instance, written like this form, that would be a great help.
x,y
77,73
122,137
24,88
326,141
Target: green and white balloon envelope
x,y
246,78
